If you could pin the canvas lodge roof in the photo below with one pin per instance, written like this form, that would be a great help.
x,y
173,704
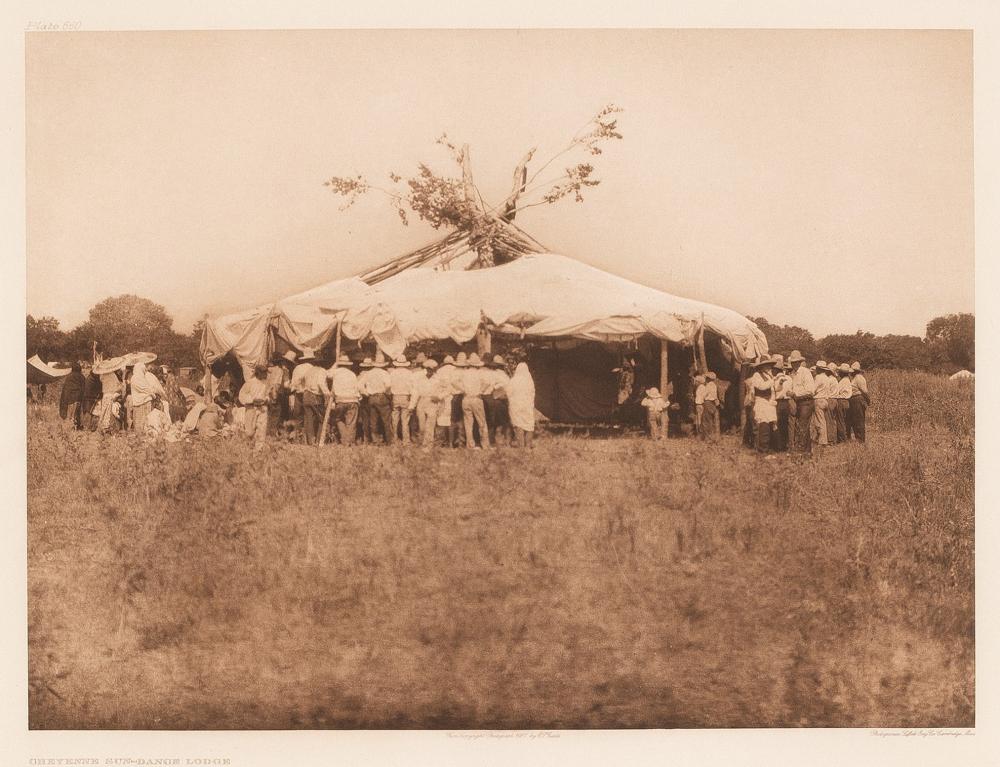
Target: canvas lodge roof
x,y
437,293
40,373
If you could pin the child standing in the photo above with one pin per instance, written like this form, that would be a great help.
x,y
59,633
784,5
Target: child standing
x,y
656,413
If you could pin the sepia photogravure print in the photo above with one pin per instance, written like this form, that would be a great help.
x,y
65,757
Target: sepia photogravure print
x,y
478,379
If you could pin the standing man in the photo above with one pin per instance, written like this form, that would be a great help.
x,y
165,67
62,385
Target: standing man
x,y
496,403
377,387
309,381
474,385
825,388
346,396
456,430
843,399
424,402
859,401
254,398
400,384
279,377
711,428
364,412
802,392
699,404
782,403
91,396
444,389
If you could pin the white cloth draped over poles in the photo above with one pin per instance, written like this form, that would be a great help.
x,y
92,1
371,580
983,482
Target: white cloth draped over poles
x,y
538,295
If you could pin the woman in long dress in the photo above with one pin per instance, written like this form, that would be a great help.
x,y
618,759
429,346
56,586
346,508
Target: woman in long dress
x,y
521,396
72,394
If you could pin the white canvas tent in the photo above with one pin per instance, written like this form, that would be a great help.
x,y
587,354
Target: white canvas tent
x,y
40,373
542,296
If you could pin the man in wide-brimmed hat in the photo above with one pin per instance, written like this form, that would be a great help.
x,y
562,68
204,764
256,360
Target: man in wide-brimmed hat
x,y
474,385
841,398
364,413
858,404
279,379
496,402
445,385
424,403
699,404
824,430
309,383
802,391
346,398
782,401
377,388
711,428
400,384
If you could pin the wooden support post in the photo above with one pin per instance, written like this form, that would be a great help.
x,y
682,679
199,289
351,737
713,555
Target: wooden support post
x,y
701,346
664,379
329,400
742,397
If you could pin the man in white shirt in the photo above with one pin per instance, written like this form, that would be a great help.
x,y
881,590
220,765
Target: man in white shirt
x,y
346,397
826,387
765,413
473,385
858,403
842,398
699,404
254,397
377,387
309,382
445,390
424,402
802,390
400,384
710,426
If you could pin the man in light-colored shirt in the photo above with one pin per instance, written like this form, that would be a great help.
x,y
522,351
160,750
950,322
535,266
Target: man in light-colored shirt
x,y
444,389
377,387
309,382
841,399
473,384
346,396
364,412
802,391
254,397
400,383
699,403
782,401
424,403
826,387
710,425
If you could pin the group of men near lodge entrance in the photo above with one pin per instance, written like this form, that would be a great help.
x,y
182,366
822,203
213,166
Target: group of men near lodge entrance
x,y
461,401
794,407
787,405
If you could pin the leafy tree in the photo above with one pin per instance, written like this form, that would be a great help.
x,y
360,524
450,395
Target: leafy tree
x,y
454,202
860,346
953,338
906,352
44,337
782,339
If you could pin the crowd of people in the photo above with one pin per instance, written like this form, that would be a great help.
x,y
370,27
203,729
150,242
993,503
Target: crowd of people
x,y
459,401
788,406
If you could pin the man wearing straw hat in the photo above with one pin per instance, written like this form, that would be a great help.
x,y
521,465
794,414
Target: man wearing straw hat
x,y
424,403
826,387
377,388
711,428
473,385
364,412
842,399
456,431
400,385
801,390
346,397
279,377
444,387
309,381
496,403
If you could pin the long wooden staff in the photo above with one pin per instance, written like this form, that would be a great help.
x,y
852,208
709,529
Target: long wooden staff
x,y
329,400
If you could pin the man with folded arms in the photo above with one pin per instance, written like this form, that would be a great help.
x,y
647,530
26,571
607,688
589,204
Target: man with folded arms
x,y
802,390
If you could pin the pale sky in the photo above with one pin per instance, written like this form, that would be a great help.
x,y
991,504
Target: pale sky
x,y
817,178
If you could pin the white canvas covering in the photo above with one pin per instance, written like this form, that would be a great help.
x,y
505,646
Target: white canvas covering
x,y
541,296
39,372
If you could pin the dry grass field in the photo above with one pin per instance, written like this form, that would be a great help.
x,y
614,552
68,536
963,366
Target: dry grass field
x,y
586,583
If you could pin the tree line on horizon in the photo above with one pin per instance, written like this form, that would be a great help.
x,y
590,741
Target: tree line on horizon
x,y
129,323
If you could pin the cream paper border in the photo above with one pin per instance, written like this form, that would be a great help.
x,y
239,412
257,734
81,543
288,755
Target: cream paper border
x,y
252,749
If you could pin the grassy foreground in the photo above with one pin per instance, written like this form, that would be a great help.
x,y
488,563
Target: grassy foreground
x,y
586,583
